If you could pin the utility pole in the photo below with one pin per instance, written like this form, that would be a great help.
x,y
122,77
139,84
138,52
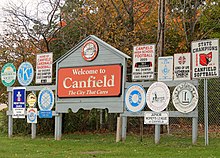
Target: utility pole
x,y
161,28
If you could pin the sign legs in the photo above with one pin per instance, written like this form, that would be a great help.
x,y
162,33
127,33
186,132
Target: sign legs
x,y
124,128
10,119
58,127
157,134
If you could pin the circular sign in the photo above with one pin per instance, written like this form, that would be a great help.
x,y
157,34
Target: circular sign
x,y
90,50
25,73
158,96
31,99
135,98
46,99
8,74
185,97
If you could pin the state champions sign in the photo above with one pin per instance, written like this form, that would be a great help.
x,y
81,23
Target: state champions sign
x,y
205,58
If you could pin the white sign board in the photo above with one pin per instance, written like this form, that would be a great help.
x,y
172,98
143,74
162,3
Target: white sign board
x,y
161,118
143,62
182,66
32,115
205,58
165,68
44,67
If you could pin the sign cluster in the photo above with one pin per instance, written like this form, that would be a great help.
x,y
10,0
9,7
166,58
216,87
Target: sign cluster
x,y
25,75
203,62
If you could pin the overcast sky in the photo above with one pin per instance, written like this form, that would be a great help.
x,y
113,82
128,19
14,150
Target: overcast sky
x,y
4,3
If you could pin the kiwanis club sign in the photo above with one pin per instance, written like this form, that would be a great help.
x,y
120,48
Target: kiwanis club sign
x,y
90,81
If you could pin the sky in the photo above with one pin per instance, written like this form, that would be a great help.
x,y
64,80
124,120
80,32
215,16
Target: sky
x,y
4,3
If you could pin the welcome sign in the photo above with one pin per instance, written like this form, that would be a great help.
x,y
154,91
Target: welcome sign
x,y
90,81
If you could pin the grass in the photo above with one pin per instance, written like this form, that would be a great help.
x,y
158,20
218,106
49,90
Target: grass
x,y
104,145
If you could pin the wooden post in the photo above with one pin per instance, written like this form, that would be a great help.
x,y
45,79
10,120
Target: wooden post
x,y
118,132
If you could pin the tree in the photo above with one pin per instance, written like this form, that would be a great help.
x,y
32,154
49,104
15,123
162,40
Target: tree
x,y
38,27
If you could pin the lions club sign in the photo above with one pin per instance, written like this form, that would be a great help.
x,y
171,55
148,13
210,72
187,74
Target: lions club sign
x,y
90,81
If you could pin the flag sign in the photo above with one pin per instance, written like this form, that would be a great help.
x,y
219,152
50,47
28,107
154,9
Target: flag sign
x,y
44,63
143,62
18,105
182,66
165,68
205,58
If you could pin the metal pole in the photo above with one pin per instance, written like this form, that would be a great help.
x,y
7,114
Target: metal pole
x,y
33,130
206,111
10,119
124,128
157,134
194,129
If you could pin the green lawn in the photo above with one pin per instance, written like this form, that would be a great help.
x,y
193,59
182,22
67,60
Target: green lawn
x,y
104,145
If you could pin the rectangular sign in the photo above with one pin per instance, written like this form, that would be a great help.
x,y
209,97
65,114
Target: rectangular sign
x,y
182,66
143,62
91,81
44,63
156,118
165,68
32,115
45,114
18,102
205,58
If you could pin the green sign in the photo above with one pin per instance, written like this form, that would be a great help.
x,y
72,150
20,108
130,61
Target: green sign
x,y
8,74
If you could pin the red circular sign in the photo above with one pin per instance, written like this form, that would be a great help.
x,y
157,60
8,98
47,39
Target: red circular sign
x,y
90,50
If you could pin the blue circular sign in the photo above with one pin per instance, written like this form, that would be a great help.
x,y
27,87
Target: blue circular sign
x,y
46,99
25,73
135,98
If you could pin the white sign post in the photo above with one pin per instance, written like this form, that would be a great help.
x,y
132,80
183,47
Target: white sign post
x,y
143,62
44,63
165,68
182,66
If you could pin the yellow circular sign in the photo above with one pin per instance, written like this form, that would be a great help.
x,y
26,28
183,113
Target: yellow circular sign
x,y
31,99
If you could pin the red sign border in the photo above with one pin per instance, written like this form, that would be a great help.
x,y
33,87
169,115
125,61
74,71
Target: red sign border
x,y
95,54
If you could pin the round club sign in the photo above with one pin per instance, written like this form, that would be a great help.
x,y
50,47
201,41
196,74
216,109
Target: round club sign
x,y
185,97
31,99
135,98
158,96
8,74
46,99
25,73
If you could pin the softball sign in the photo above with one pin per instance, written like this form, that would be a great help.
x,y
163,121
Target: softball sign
x,y
205,58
